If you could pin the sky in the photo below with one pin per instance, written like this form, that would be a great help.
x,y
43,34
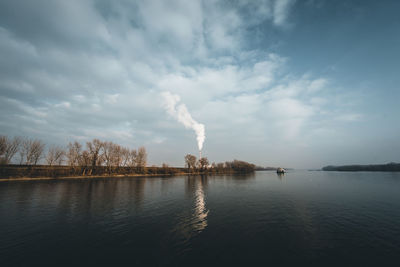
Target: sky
x,y
299,84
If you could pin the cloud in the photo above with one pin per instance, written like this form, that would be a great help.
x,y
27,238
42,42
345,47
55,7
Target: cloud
x,y
349,117
281,11
84,70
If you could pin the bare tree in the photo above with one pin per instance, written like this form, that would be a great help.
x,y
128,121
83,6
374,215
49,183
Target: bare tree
x,y
74,153
55,155
31,151
108,152
141,159
220,167
23,151
203,163
85,159
125,157
3,145
132,158
94,149
190,161
8,148
117,156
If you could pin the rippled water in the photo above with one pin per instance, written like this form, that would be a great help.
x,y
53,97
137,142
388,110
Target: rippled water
x,y
300,218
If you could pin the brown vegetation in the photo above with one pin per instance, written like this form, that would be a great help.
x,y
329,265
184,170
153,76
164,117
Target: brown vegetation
x,y
98,158
203,166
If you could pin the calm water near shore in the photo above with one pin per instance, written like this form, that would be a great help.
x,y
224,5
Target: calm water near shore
x,y
300,218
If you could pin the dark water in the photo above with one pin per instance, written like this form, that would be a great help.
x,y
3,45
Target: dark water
x,y
302,218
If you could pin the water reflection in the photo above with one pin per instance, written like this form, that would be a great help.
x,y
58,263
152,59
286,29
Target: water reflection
x,y
193,220
280,175
200,211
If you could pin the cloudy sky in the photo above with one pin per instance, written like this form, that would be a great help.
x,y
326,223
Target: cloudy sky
x,y
302,83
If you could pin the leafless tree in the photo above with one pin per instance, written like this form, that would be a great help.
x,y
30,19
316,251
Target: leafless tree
x,y
8,148
190,161
117,156
74,153
125,156
85,159
132,158
94,149
55,155
3,145
220,167
84,163
203,163
108,154
141,159
31,151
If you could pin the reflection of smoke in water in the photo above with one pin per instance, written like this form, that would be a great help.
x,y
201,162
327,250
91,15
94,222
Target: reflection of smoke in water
x,y
192,224
200,215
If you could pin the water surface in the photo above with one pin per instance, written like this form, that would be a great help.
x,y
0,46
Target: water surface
x,y
300,218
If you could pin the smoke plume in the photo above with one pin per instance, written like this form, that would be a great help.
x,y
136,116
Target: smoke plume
x,y
180,112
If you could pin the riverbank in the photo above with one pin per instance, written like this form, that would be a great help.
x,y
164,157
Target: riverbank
x,y
14,172
389,167
112,176
92,177
150,172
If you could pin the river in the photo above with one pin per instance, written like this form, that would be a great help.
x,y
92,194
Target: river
x,y
309,218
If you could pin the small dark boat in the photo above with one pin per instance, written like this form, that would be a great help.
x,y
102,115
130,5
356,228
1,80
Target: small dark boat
x,y
280,170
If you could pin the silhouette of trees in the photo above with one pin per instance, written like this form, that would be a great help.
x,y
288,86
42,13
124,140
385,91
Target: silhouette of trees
x,y
74,154
31,151
241,166
132,157
94,149
115,156
141,159
84,159
55,155
98,158
389,167
190,162
203,163
8,148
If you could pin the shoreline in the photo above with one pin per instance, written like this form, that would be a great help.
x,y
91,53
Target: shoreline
x,y
88,177
43,178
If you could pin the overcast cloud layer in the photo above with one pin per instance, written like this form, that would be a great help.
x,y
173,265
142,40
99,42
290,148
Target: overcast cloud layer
x,y
290,83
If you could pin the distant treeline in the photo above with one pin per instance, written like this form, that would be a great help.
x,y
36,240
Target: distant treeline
x,y
34,171
24,157
97,156
202,165
389,167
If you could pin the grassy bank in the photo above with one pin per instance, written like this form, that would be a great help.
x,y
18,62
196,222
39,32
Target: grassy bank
x,y
40,171
13,172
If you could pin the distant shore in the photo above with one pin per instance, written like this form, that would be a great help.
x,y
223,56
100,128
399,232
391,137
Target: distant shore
x,y
389,167
44,172
92,177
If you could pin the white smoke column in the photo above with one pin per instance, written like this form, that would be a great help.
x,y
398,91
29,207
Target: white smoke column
x,y
180,112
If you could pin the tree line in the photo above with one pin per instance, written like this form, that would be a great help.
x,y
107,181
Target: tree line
x,y
95,157
202,165
389,167
26,151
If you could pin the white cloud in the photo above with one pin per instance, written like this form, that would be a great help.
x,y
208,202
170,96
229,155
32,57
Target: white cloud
x,y
111,98
64,104
281,11
105,74
351,117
